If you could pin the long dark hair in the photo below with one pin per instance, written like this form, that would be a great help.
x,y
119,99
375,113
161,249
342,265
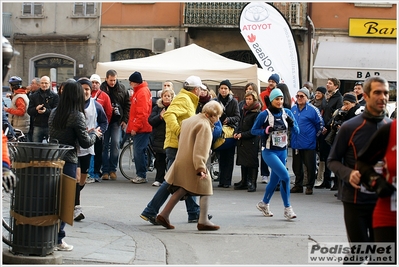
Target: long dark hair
x,y
72,99
287,96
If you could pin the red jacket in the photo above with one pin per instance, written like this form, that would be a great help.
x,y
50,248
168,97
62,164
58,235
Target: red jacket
x,y
140,109
20,105
262,97
5,155
103,99
384,214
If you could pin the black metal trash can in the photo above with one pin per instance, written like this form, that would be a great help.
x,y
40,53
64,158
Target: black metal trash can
x,y
34,205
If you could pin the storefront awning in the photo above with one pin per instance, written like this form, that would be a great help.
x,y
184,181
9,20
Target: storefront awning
x,y
355,61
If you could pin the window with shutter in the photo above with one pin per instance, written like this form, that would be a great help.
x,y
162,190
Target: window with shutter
x,y
79,9
32,9
84,9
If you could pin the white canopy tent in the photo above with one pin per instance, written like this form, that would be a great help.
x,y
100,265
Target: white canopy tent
x,y
178,64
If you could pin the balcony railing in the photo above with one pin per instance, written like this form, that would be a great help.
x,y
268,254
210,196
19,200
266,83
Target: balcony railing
x,y
227,14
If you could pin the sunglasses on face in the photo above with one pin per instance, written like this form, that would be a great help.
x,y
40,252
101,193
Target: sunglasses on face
x,y
300,96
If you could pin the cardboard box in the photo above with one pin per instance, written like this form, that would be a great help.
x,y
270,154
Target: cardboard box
x,y
67,198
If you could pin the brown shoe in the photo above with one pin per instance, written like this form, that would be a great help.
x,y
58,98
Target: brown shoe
x,y
296,189
204,227
309,191
112,175
161,220
105,176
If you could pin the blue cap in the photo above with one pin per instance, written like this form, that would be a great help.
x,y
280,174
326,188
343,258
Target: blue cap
x,y
274,77
275,93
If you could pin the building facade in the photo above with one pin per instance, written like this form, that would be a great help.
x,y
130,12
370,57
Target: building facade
x,y
59,39
353,41
67,39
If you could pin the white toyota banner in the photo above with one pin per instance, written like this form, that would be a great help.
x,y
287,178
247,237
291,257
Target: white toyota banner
x,y
269,36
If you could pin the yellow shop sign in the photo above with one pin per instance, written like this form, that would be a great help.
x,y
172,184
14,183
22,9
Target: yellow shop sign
x,y
381,28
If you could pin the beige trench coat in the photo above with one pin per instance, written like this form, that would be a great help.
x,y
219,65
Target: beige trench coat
x,y
194,147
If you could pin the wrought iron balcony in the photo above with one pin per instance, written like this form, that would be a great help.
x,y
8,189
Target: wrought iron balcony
x,y
227,14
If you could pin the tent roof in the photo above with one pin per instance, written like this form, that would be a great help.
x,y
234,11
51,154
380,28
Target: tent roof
x,y
180,63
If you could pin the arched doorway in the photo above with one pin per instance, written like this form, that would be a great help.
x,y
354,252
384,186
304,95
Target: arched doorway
x,y
58,67
131,54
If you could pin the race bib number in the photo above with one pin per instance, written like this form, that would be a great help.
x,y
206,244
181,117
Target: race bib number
x,y
279,138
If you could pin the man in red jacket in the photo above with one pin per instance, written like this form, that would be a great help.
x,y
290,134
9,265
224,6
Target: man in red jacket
x,y
138,126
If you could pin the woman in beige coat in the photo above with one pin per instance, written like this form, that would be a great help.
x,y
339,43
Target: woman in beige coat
x,y
188,174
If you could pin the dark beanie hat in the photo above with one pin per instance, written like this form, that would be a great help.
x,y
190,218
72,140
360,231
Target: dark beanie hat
x,y
85,80
349,97
136,77
321,89
225,82
275,77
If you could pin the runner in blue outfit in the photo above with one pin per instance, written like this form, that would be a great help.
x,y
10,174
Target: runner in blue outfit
x,y
272,126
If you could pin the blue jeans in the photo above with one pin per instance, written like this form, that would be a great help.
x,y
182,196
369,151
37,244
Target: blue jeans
x,y
162,195
111,147
140,143
70,170
39,133
170,156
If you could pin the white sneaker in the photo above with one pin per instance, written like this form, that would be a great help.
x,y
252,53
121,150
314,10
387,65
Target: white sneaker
x,y
139,180
156,183
63,247
78,214
264,208
89,180
265,179
289,213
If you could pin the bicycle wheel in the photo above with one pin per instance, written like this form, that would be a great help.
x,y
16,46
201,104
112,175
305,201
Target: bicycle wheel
x,y
126,162
214,168
150,159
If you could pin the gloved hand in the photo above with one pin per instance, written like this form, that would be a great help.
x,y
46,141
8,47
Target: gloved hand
x,y
382,187
9,179
290,121
269,129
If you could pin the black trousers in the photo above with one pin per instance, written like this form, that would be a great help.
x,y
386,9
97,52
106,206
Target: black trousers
x,y
226,165
358,222
324,151
307,157
98,160
160,166
386,234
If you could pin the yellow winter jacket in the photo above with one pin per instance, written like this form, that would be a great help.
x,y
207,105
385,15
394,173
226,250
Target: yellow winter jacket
x,y
183,106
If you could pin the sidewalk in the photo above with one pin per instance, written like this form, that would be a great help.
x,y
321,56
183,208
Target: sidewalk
x,y
113,233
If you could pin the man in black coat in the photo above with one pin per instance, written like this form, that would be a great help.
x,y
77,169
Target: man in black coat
x,y
334,102
41,103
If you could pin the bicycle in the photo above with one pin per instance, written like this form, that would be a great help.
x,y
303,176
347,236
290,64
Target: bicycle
x,y
214,166
126,159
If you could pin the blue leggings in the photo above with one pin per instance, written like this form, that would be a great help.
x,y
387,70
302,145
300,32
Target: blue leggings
x,y
276,159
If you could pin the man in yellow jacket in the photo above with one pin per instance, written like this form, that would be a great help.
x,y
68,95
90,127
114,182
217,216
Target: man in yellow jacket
x,y
182,107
